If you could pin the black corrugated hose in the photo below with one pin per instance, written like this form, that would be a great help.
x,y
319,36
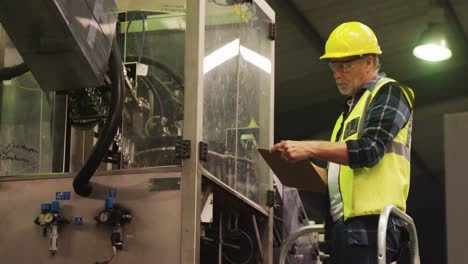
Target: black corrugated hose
x,y
9,73
81,183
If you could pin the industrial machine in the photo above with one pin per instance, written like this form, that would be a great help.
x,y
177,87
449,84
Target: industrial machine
x,y
165,100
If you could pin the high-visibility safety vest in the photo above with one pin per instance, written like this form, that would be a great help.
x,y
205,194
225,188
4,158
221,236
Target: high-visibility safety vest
x,y
366,191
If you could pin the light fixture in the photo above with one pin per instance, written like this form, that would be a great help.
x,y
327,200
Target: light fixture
x,y
433,44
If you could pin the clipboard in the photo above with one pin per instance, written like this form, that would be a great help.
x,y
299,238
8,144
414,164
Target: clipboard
x,y
300,175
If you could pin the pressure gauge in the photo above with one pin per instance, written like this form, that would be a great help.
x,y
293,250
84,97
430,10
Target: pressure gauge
x,y
103,217
48,218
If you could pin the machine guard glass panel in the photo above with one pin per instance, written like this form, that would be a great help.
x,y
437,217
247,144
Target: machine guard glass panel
x,y
32,122
153,51
47,132
237,96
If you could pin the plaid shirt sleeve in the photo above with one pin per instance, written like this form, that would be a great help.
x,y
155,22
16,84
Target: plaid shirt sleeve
x,y
388,113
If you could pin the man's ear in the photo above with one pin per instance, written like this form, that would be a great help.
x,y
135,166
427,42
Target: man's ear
x,y
370,61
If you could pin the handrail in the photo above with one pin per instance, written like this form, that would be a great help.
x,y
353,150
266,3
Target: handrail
x,y
382,234
292,237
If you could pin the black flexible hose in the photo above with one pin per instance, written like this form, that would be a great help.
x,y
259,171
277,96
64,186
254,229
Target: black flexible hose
x,y
81,183
157,64
9,73
155,91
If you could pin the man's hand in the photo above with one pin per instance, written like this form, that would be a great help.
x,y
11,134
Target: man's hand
x,y
292,150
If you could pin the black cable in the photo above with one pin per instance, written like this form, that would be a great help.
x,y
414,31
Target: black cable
x,y
251,247
128,27
222,4
85,125
9,73
152,89
230,2
178,79
129,22
81,183
165,68
142,36
155,91
156,79
114,252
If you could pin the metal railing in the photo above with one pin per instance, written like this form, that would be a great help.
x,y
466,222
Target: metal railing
x,y
382,234
295,235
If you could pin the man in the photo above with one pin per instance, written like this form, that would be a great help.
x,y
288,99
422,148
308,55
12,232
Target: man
x,y
369,152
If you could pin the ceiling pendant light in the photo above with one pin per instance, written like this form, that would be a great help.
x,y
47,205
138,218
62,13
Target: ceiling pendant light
x,y
433,44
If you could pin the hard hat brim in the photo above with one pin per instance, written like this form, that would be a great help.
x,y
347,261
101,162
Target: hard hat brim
x,y
338,55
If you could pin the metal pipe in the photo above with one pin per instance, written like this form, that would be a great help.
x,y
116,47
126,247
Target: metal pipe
x,y
292,237
382,234
53,239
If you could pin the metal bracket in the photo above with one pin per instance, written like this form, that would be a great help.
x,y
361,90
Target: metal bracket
x,y
271,198
272,34
203,151
182,149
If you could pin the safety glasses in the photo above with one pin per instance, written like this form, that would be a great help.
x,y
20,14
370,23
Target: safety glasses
x,y
343,66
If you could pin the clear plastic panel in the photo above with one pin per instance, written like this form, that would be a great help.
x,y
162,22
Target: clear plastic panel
x,y
254,104
220,69
237,92
153,45
32,124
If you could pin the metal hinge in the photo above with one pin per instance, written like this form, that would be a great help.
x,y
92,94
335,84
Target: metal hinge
x,y
271,198
272,35
182,149
203,151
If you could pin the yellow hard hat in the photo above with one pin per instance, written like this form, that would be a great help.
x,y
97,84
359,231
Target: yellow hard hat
x,y
351,39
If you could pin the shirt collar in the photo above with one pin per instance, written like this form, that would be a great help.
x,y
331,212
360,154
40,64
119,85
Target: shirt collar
x,y
370,85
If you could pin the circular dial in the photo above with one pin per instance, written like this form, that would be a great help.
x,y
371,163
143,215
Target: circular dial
x,y
48,218
104,217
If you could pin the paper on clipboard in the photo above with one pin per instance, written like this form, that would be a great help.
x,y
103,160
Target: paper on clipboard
x,y
300,175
